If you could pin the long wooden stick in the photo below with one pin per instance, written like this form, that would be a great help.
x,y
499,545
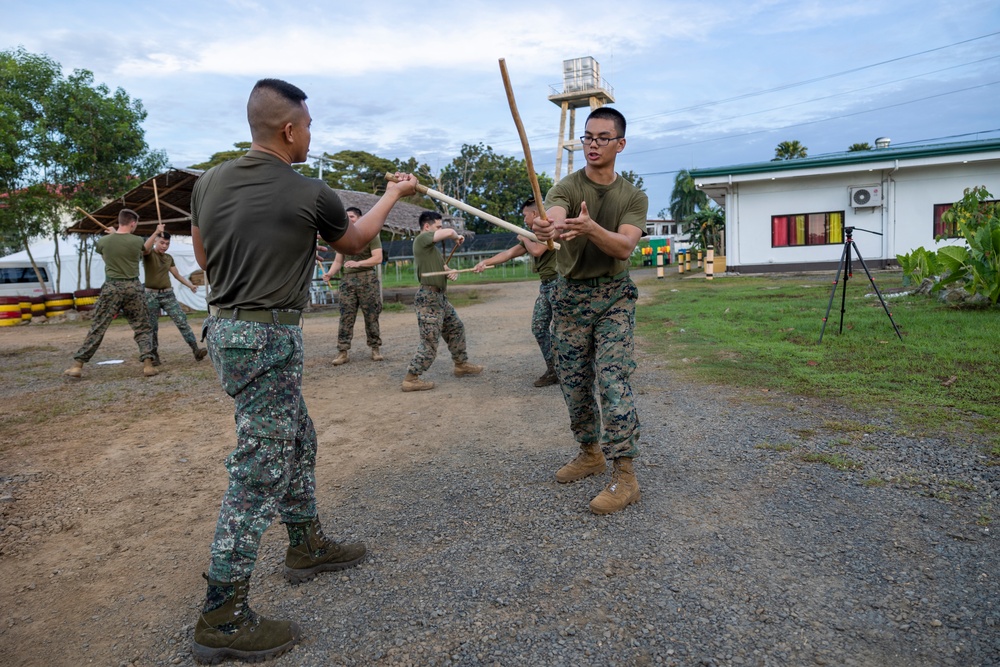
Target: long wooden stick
x,y
453,249
156,197
532,176
462,206
95,220
445,273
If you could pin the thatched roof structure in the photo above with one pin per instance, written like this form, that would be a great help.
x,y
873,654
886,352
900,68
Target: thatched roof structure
x,y
173,190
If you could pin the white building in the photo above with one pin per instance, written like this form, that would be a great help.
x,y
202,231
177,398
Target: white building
x,y
791,215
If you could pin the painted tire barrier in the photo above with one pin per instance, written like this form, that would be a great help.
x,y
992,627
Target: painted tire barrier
x,y
38,306
25,309
56,305
84,299
10,311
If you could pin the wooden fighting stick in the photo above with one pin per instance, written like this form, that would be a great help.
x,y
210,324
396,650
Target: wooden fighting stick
x,y
532,176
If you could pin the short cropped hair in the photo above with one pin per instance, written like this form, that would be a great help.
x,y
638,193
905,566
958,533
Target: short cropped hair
x,y
165,236
127,216
428,218
355,210
607,113
528,203
272,103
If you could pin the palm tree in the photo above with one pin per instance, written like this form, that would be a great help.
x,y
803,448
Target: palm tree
x,y
686,198
864,146
789,150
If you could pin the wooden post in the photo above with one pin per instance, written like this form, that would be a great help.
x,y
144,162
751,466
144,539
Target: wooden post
x,y
659,266
709,263
680,262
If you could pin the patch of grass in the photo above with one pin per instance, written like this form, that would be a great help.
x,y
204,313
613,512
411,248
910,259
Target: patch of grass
x,y
394,307
843,442
837,461
960,484
776,447
874,482
805,433
763,332
985,518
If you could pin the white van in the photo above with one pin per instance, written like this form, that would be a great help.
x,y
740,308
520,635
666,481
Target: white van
x,y
21,280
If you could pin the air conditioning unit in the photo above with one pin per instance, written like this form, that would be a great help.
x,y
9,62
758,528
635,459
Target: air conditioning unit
x,y
866,196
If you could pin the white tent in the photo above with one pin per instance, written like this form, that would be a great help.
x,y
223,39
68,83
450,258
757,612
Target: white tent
x,y
44,253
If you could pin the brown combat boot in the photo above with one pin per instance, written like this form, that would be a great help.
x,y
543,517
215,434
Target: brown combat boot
x,y
199,353
74,371
621,492
547,378
148,369
311,553
377,355
229,628
590,461
413,383
341,358
465,368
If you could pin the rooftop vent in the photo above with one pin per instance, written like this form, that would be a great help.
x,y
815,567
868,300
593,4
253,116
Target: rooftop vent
x,y
882,142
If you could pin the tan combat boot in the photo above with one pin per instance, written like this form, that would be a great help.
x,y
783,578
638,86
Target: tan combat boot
x,y
590,461
377,355
465,368
74,371
341,358
549,377
229,628
311,553
148,369
413,383
621,492
199,353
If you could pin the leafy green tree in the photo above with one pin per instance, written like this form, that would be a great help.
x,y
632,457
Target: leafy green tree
x,y
863,146
239,148
706,227
633,178
789,150
685,199
497,184
66,142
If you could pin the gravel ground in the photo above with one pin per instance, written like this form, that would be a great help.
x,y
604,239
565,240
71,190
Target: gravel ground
x,y
739,553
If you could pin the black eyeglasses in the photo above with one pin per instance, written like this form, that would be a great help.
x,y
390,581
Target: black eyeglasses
x,y
586,140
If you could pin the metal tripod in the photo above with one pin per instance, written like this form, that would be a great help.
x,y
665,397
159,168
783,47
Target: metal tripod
x,y
845,267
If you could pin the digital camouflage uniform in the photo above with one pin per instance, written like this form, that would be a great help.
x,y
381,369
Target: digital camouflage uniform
x,y
121,291
160,295
359,288
271,470
594,317
541,316
436,317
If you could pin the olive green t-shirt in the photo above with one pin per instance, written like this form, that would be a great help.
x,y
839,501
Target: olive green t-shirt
x,y
611,206
157,267
375,244
544,265
428,259
258,219
122,254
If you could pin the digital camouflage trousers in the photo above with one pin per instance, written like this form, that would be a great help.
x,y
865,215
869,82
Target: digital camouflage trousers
x,y
359,290
127,296
541,321
272,468
436,318
155,301
594,345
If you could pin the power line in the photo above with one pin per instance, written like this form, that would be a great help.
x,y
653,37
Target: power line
x,y
808,81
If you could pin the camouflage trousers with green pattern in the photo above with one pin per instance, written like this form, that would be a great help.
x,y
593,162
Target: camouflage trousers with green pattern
x,y
155,301
272,469
436,318
541,321
593,336
359,290
127,296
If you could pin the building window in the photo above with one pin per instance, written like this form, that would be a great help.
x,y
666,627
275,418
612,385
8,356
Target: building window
x,y
807,229
949,230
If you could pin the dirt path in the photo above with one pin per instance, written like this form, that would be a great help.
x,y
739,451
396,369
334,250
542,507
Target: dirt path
x,y
109,486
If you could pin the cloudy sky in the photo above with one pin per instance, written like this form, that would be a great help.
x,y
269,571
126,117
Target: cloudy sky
x,y
703,84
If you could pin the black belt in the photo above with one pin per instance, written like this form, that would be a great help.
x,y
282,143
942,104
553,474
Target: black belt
x,y
293,317
600,280
432,288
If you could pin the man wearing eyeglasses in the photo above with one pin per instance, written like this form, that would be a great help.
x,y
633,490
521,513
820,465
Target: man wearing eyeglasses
x,y
598,217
